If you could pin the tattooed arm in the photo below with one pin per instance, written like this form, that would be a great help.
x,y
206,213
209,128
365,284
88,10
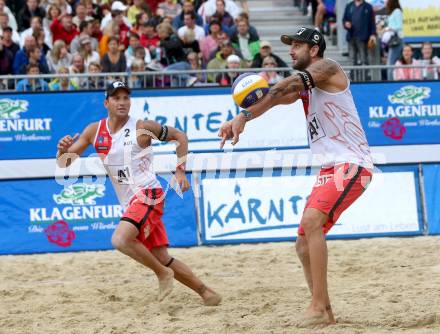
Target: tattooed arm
x,y
321,71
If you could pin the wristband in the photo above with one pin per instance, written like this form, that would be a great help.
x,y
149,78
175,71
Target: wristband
x,y
247,114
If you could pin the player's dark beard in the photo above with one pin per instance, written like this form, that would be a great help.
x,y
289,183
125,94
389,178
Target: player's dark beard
x,y
302,63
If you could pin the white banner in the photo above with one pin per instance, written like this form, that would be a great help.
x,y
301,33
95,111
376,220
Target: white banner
x,y
270,208
201,116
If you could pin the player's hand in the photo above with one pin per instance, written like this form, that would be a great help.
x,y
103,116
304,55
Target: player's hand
x,y
232,129
65,143
181,181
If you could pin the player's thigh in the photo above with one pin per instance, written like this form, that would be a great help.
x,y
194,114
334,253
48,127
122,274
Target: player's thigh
x,y
124,232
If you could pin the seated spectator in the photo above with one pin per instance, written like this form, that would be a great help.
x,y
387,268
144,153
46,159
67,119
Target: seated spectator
x,y
32,84
117,10
271,77
188,7
141,19
94,82
58,57
429,72
112,29
64,7
170,8
265,51
40,38
243,40
243,16
21,57
4,24
136,81
139,7
8,43
114,60
93,10
35,25
11,17
34,56
26,13
226,79
63,83
64,29
170,45
134,43
85,30
190,25
6,59
53,11
124,29
78,67
208,8
409,73
212,41
222,15
81,15
87,52
148,36
195,64
219,61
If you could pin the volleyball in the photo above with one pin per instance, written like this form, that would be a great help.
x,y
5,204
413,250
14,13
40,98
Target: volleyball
x,y
248,89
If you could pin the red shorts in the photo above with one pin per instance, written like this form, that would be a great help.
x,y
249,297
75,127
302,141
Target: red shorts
x,y
145,212
336,188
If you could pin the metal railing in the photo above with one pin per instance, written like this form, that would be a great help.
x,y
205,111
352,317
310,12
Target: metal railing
x,y
182,78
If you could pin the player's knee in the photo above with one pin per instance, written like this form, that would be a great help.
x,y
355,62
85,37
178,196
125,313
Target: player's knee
x,y
119,242
161,255
310,224
301,247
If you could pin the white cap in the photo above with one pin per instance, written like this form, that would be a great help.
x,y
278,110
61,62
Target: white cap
x,y
233,59
118,5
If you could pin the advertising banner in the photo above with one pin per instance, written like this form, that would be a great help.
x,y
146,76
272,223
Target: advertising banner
x,y
431,175
44,216
399,113
421,20
259,208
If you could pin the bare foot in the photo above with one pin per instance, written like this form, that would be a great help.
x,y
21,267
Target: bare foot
x,y
211,298
317,318
165,284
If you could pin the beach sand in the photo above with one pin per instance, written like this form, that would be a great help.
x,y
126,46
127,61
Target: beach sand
x,y
381,285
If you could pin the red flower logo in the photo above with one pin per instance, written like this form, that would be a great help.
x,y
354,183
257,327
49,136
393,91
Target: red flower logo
x,y
393,128
59,233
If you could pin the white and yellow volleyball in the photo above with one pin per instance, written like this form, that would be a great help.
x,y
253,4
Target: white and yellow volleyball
x,y
248,89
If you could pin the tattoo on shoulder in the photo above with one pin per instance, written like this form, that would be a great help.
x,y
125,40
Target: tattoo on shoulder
x,y
323,69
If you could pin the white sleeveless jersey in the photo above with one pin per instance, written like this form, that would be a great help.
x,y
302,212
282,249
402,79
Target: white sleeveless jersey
x,y
334,128
128,166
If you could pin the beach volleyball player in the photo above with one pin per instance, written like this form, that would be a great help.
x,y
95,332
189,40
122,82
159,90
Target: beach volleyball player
x,y
335,136
124,145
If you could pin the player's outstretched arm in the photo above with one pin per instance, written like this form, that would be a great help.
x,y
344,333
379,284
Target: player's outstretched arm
x,y
168,133
320,72
69,148
233,128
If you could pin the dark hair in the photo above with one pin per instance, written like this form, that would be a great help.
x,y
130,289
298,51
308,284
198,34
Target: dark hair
x,y
31,65
83,25
392,5
133,34
401,58
113,38
192,14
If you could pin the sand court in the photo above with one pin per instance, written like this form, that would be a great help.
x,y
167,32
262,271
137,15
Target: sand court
x,y
381,285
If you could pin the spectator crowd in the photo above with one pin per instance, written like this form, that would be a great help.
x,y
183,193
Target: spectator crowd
x,y
98,36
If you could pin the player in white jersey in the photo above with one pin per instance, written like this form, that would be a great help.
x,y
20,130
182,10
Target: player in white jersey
x,y
124,145
336,137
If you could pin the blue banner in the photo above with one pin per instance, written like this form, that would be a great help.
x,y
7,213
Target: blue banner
x,y
431,175
399,113
44,216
